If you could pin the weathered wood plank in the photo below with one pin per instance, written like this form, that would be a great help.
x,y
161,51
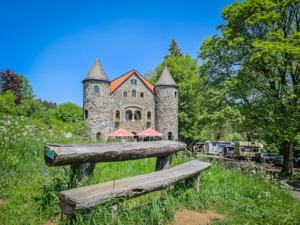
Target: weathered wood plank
x,y
58,155
89,196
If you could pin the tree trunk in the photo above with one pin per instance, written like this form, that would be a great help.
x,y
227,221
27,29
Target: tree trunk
x,y
249,134
287,168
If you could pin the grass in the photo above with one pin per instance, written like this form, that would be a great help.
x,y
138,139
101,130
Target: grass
x,y
30,189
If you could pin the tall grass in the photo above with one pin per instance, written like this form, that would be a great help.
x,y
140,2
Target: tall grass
x,y
29,189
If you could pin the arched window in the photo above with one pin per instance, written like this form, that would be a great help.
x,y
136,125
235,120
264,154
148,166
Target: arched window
x,y
142,95
98,136
125,93
133,82
117,115
86,114
128,115
148,115
133,93
175,94
170,136
137,115
96,89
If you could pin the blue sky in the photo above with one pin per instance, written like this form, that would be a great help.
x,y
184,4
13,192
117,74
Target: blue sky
x,y
54,43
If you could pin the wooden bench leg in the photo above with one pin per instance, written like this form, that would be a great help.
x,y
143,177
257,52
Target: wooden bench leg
x,y
81,173
193,181
163,162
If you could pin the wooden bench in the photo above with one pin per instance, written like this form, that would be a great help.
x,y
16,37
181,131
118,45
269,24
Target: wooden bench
x,y
88,196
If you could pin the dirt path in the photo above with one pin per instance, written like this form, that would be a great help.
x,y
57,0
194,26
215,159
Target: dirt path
x,y
187,217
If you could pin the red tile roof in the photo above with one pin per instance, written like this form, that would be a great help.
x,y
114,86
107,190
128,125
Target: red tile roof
x,y
117,82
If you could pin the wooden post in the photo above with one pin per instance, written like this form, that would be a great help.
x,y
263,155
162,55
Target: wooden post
x,y
193,181
163,162
80,173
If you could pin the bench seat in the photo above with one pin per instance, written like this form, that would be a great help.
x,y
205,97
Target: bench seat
x,y
86,197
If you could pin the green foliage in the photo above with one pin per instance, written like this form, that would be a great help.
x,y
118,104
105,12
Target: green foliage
x,y
26,89
33,108
254,66
8,105
69,112
174,50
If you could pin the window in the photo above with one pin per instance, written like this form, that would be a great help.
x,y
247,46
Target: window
x,y
175,94
98,136
125,93
117,115
96,89
137,115
86,114
170,136
148,115
133,114
128,115
133,82
133,93
142,95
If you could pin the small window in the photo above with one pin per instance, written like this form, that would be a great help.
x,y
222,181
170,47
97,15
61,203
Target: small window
x,y
142,95
125,93
133,82
96,90
133,93
175,94
86,114
98,136
117,115
148,115
170,136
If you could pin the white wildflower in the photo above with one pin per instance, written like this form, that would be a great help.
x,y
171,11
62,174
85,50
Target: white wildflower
x,y
68,135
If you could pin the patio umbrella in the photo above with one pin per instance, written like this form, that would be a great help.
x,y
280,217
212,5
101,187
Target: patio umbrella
x,y
120,133
149,132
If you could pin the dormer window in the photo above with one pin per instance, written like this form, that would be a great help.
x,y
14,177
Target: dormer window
x,y
96,89
133,81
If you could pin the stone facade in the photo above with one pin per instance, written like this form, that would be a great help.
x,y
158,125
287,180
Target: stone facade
x,y
129,102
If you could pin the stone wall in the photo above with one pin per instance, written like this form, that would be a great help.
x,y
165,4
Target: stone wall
x,y
100,119
144,104
167,111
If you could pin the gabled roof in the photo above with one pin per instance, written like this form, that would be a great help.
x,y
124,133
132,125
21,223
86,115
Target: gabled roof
x,y
166,79
96,72
118,81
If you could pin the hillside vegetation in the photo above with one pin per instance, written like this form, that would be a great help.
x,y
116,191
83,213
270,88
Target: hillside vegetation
x,y
29,189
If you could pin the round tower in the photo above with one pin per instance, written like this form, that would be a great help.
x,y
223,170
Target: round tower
x,y
166,106
96,101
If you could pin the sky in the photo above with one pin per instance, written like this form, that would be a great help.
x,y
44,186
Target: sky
x,y
55,42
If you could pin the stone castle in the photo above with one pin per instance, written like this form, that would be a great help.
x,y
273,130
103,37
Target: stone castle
x,y
130,102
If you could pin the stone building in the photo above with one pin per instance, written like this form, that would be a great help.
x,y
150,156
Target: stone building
x,y
130,102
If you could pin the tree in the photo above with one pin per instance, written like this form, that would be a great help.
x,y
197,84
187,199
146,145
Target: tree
x,y
149,74
174,49
69,112
184,70
12,82
26,89
7,103
256,64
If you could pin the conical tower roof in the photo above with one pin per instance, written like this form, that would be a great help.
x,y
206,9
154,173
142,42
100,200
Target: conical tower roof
x,y
166,79
96,72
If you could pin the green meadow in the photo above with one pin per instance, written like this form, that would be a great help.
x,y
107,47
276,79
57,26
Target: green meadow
x,y
29,189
